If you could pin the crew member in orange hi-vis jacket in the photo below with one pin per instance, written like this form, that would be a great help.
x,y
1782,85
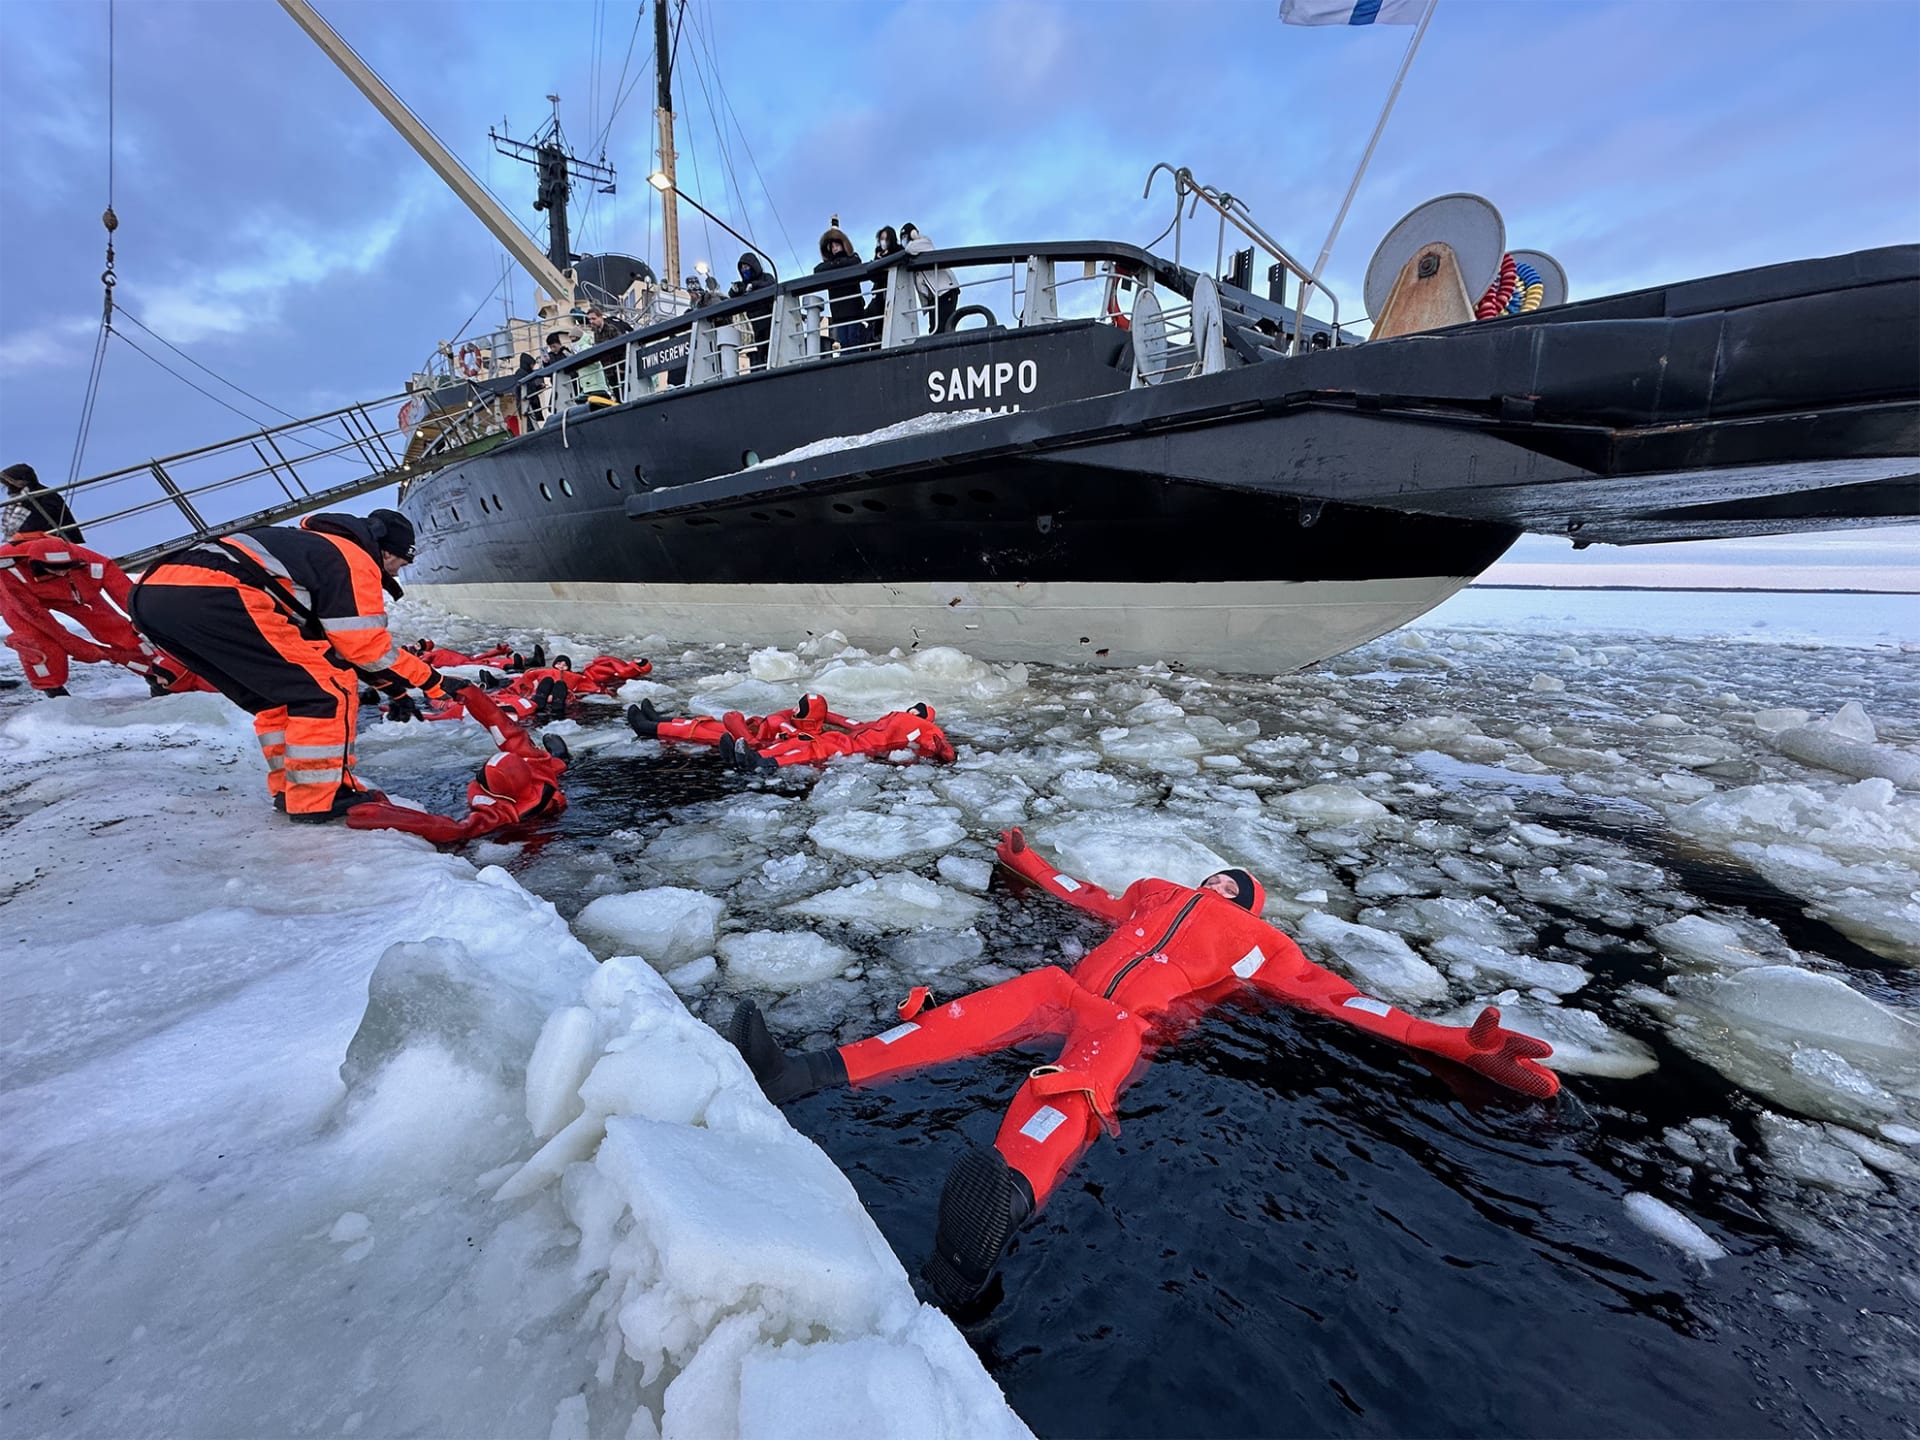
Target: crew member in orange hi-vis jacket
x,y
284,621
1175,951
41,576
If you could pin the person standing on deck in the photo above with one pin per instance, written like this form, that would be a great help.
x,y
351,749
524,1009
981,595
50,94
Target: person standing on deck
x,y
33,509
845,300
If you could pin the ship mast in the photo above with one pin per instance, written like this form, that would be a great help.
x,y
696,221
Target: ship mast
x,y
669,195
555,281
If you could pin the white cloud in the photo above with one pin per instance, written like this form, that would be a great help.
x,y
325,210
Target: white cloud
x,y
51,345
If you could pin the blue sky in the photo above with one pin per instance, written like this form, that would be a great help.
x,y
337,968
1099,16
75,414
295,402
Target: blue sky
x,y
274,228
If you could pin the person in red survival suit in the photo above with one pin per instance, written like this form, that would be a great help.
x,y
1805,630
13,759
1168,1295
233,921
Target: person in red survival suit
x,y
910,732
541,693
41,575
1176,950
521,783
810,716
281,621
442,658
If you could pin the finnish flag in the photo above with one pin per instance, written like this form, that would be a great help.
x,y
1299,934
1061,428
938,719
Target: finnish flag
x,y
1352,12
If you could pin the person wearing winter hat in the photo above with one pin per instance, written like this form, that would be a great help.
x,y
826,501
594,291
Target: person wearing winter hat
x,y
30,508
846,302
285,621
1175,951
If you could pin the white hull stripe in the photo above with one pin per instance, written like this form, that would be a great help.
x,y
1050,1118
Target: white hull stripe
x,y
1255,626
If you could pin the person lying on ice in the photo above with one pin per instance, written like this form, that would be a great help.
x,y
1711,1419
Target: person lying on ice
x,y
284,621
809,734
521,783
41,576
1174,949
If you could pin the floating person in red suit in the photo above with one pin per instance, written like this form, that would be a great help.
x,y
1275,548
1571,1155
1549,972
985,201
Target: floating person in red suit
x,y
541,693
42,576
1176,950
808,734
521,783
440,657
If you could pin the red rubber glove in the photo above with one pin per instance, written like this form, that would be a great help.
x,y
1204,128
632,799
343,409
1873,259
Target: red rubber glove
x,y
1012,843
1502,1055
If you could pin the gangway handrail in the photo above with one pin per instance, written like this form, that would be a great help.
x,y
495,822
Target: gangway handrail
x,y
352,437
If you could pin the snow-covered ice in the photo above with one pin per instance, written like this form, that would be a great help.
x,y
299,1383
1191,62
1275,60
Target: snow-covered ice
x,y
339,1056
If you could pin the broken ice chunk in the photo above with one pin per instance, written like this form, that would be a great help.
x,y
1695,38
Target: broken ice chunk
x,y
1658,1218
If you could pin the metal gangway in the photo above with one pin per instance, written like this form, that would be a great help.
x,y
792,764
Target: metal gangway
x,y
260,478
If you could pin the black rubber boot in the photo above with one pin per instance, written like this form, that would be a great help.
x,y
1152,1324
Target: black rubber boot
x,y
648,713
557,748
981,1205
543,700
782,1075
539,660
557,700
638,722
58,692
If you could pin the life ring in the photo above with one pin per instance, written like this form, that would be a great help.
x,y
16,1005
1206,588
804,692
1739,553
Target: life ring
x,y
1117,314
469,360
953,320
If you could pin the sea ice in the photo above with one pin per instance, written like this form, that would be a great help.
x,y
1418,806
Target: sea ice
x,y
781,959
1467,960
863,835
667,924
1375,960
895,901
1329,805
1657,1217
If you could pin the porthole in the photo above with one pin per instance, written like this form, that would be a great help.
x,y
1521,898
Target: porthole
x,y
456,513
873,504
545,493
639,475
841,507
566,486
612,483
760,515
785,514
483,504
749,459
981,497
701,520
940,497
497,506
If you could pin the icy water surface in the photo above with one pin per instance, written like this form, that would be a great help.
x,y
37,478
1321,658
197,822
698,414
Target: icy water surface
x,y
1680,860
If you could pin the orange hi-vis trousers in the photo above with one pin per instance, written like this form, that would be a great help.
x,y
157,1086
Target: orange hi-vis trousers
x,y
305,703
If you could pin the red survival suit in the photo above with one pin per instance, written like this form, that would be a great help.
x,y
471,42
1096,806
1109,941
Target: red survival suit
x,y
442,658
39,575
521,783
543,692
808,718
1175,948
811,734
912,731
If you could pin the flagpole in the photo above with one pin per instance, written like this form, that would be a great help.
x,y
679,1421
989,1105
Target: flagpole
x,y
1313,282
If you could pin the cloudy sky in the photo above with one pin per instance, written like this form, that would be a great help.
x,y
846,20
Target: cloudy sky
x,y
277,231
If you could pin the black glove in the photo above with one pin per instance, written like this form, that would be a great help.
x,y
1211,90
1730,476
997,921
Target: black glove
x,y
453,684
403,708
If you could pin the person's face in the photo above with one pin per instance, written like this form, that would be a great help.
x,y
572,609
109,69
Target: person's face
x,y
1223,885
833,247
391,565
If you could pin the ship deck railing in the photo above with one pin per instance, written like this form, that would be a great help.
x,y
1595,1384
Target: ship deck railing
x,y
791,323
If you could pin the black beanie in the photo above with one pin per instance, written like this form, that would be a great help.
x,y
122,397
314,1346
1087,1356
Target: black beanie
x,y
393,531
1249,889
22,474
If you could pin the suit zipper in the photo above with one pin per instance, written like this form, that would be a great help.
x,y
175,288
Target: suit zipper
x,y
1158,946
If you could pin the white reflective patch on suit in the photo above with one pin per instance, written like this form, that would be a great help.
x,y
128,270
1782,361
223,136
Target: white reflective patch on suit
x,y
1066,882
99,572
1043,1123
354,622
899,1032
1368,1004
1249,962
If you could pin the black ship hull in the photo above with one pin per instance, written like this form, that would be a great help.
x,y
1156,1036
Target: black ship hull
x,y
1257,519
